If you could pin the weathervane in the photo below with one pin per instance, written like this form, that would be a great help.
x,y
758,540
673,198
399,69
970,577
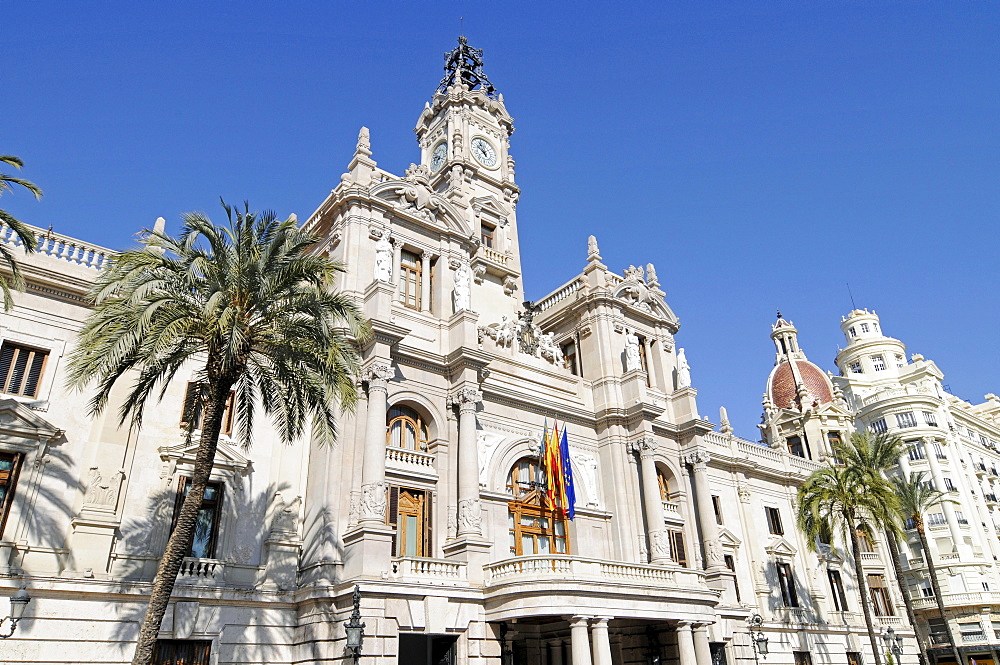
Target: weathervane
x,y
466,63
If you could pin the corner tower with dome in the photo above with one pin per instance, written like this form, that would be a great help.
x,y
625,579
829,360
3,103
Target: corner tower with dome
x,y
804,412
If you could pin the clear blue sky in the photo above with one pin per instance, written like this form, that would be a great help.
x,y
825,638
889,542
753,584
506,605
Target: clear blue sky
x,y
761,154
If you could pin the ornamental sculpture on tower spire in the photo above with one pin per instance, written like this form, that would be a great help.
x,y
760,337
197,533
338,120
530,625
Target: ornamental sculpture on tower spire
x,y
466,64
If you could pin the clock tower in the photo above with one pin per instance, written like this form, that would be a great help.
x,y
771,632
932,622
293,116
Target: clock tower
x,y
464,136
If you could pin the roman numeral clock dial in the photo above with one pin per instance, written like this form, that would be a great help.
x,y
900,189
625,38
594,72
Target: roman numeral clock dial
x,y
484,152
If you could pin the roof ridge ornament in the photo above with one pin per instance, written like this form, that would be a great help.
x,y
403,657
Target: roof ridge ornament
x,y
465,64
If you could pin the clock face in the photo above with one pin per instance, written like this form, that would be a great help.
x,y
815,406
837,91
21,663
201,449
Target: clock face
x,y
438,156
484,152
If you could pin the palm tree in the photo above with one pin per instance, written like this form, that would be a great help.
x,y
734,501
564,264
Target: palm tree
x,y
916,497
19,228
876,454
839,497
249,304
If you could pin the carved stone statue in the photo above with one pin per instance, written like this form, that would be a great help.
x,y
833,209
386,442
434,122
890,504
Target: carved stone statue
x,y
683,370
632,358
462,291
383,259
505,331
286,515
548,349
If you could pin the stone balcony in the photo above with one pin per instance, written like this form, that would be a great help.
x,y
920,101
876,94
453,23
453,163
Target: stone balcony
x,y
436,572
969,598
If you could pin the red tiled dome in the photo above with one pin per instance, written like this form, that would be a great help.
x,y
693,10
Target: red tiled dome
x,y
781,384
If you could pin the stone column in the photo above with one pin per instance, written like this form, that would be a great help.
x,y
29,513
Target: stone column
x,y
469,511
706,514
397,252
425,282
650,373
580,641
602,641
659,542
555,652
373,466
685,644
702,651
938,475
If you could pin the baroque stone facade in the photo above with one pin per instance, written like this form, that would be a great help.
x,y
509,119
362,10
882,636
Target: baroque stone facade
x,y
430,502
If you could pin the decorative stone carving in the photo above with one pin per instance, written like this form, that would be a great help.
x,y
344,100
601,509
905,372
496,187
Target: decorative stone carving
x,y
487,443
633,360
659,544
724,425
286,515
744,493
713,551
465,398
651,275
586,330
683,370
668,342
373,502
593,254
470,516
364,142
102,494
548,349
698,459
479,273
585,470
509,285
452,525
644,446
462,291
633,274
378,375
383,259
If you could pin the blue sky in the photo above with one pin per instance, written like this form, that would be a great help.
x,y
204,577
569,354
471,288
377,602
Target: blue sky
x,y
761,155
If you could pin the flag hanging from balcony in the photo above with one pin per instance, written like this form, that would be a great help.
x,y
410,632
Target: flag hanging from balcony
x,y
568,490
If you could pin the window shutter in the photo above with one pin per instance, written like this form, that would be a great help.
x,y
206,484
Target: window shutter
x,y
428,549
393,517
34,374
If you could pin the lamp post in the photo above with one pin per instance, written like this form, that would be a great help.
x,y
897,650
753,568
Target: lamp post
x,y
893,642
755,622
355,627
18,602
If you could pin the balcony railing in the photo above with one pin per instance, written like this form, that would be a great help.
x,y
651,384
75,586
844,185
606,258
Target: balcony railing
x,y
430,571
194,568
520,569
62,247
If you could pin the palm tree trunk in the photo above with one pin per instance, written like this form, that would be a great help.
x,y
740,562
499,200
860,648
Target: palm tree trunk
x,y
890,536
863,587
932,573
181,538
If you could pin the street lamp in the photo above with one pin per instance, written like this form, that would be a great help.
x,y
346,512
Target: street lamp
x,y
355,627
18,602
893,642
755,622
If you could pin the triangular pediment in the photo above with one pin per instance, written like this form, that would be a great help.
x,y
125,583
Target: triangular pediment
x,y
227,457
830,554
780,547
728,538
490,205
17,421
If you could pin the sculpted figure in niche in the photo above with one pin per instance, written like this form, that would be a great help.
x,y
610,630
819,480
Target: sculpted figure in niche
x,y
383,259
632,359
463,289
548,349
683,370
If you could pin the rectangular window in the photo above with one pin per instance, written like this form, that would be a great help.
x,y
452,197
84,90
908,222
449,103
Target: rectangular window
x,y
899,360
855,367
854,333
834,440
948,485
570,357
182,652
906,419
21,369
878,363
409,510
879,426
960,518
677,550
10,465
731,565
864,542
864,327
853,658
774,521
881,603
717,507
916,450
935,519
193,409
803,657
795,446
930,418
410,278
971,631
939,451
487,235
837,591
206,525
786,583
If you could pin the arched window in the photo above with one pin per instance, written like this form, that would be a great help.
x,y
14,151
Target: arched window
x,y
664,481
535,526
406,429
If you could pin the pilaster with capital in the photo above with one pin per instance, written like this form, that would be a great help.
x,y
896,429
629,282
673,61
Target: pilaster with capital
x,y
698,461
469,509
373,486
938,474
397,259
425,281
659,542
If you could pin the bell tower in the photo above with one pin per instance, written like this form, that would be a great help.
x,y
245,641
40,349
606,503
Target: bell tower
x,y
464,136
